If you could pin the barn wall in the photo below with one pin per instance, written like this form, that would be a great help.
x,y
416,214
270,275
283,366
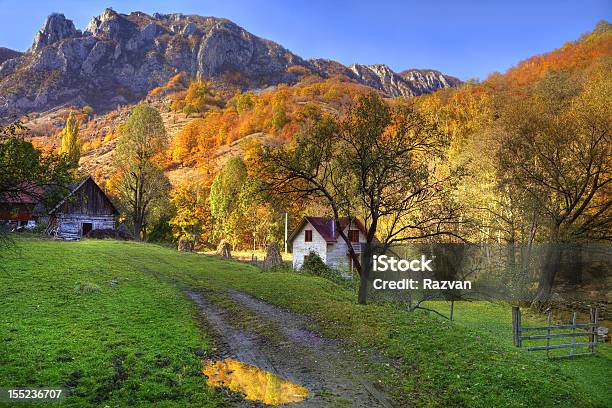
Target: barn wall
x,y
70,226
302,249
88,204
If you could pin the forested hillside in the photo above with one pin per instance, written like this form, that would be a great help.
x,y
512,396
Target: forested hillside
x,y
550,108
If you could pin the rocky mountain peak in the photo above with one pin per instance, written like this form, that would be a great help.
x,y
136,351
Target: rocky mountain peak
x,y
407,83
110,25
56,28
119,58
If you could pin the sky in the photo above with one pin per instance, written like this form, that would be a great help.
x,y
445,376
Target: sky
x,y
467,39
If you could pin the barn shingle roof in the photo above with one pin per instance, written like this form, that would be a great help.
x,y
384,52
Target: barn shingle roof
x,y
75,188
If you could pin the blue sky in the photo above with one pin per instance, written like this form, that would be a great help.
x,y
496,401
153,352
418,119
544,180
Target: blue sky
x,y
467,39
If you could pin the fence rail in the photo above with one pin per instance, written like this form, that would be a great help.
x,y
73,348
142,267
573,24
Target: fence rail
x,y
518,337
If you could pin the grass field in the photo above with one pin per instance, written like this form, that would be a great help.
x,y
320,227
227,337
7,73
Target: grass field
x,y
133,343
136,341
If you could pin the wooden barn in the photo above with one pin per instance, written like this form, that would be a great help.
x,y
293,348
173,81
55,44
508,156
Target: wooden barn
x,y
84,209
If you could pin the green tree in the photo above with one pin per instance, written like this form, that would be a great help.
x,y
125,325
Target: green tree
x,y
192,213
25,170
70,140
555,149
140,180
244,102
224,204
279,114
377,162
88,111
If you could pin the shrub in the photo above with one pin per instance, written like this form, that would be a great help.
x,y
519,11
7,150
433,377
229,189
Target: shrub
x,y
314,265
95,144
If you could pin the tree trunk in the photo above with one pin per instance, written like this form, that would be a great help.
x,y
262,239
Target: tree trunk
x,y
527,255
511,259
362,296
137,229
575,266
365,269
549,271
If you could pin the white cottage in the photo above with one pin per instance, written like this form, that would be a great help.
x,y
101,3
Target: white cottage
x,y
321,235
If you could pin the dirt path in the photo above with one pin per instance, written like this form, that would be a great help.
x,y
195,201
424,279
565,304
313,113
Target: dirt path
x,y
258,333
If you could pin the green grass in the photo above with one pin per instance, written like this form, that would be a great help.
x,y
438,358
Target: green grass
x,y
129,343
589,373
56,334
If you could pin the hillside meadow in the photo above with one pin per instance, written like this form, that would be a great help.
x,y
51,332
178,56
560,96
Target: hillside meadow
x,y
108,321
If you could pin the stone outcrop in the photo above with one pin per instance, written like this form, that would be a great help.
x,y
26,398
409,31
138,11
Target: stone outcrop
x,y
55,29
185,245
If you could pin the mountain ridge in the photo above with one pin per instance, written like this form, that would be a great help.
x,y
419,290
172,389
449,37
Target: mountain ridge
x,y
7,54
118,58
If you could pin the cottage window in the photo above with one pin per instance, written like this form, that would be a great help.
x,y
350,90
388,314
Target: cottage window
x,y
354,235
308,236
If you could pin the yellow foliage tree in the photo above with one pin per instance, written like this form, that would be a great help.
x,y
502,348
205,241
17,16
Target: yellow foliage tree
x,y
70,140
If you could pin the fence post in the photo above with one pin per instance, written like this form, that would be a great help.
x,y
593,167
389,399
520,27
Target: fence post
x,y
573,349
516,325
593,319
548,321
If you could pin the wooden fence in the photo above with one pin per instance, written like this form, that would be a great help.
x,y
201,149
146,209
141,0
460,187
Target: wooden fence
x,y
591,331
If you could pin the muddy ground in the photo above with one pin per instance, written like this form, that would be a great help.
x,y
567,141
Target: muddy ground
x,y
255,332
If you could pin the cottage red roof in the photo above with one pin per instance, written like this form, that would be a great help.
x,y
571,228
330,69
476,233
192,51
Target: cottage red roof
x,y
327,227
23,194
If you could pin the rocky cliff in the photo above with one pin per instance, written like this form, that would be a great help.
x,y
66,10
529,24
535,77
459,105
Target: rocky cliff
x,y
118,58
412,82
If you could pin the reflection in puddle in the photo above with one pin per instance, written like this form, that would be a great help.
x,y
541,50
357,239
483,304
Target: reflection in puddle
x,y
256,384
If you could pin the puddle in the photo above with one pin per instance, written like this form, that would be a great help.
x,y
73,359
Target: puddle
x,y
256,384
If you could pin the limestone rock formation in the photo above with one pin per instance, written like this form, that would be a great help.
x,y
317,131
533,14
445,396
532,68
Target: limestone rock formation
x,y
118,58
55,29
412,82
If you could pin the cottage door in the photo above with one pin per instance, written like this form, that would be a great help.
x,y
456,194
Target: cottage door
x,y
87,226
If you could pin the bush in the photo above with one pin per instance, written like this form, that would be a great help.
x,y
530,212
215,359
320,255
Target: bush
x,y
314,265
